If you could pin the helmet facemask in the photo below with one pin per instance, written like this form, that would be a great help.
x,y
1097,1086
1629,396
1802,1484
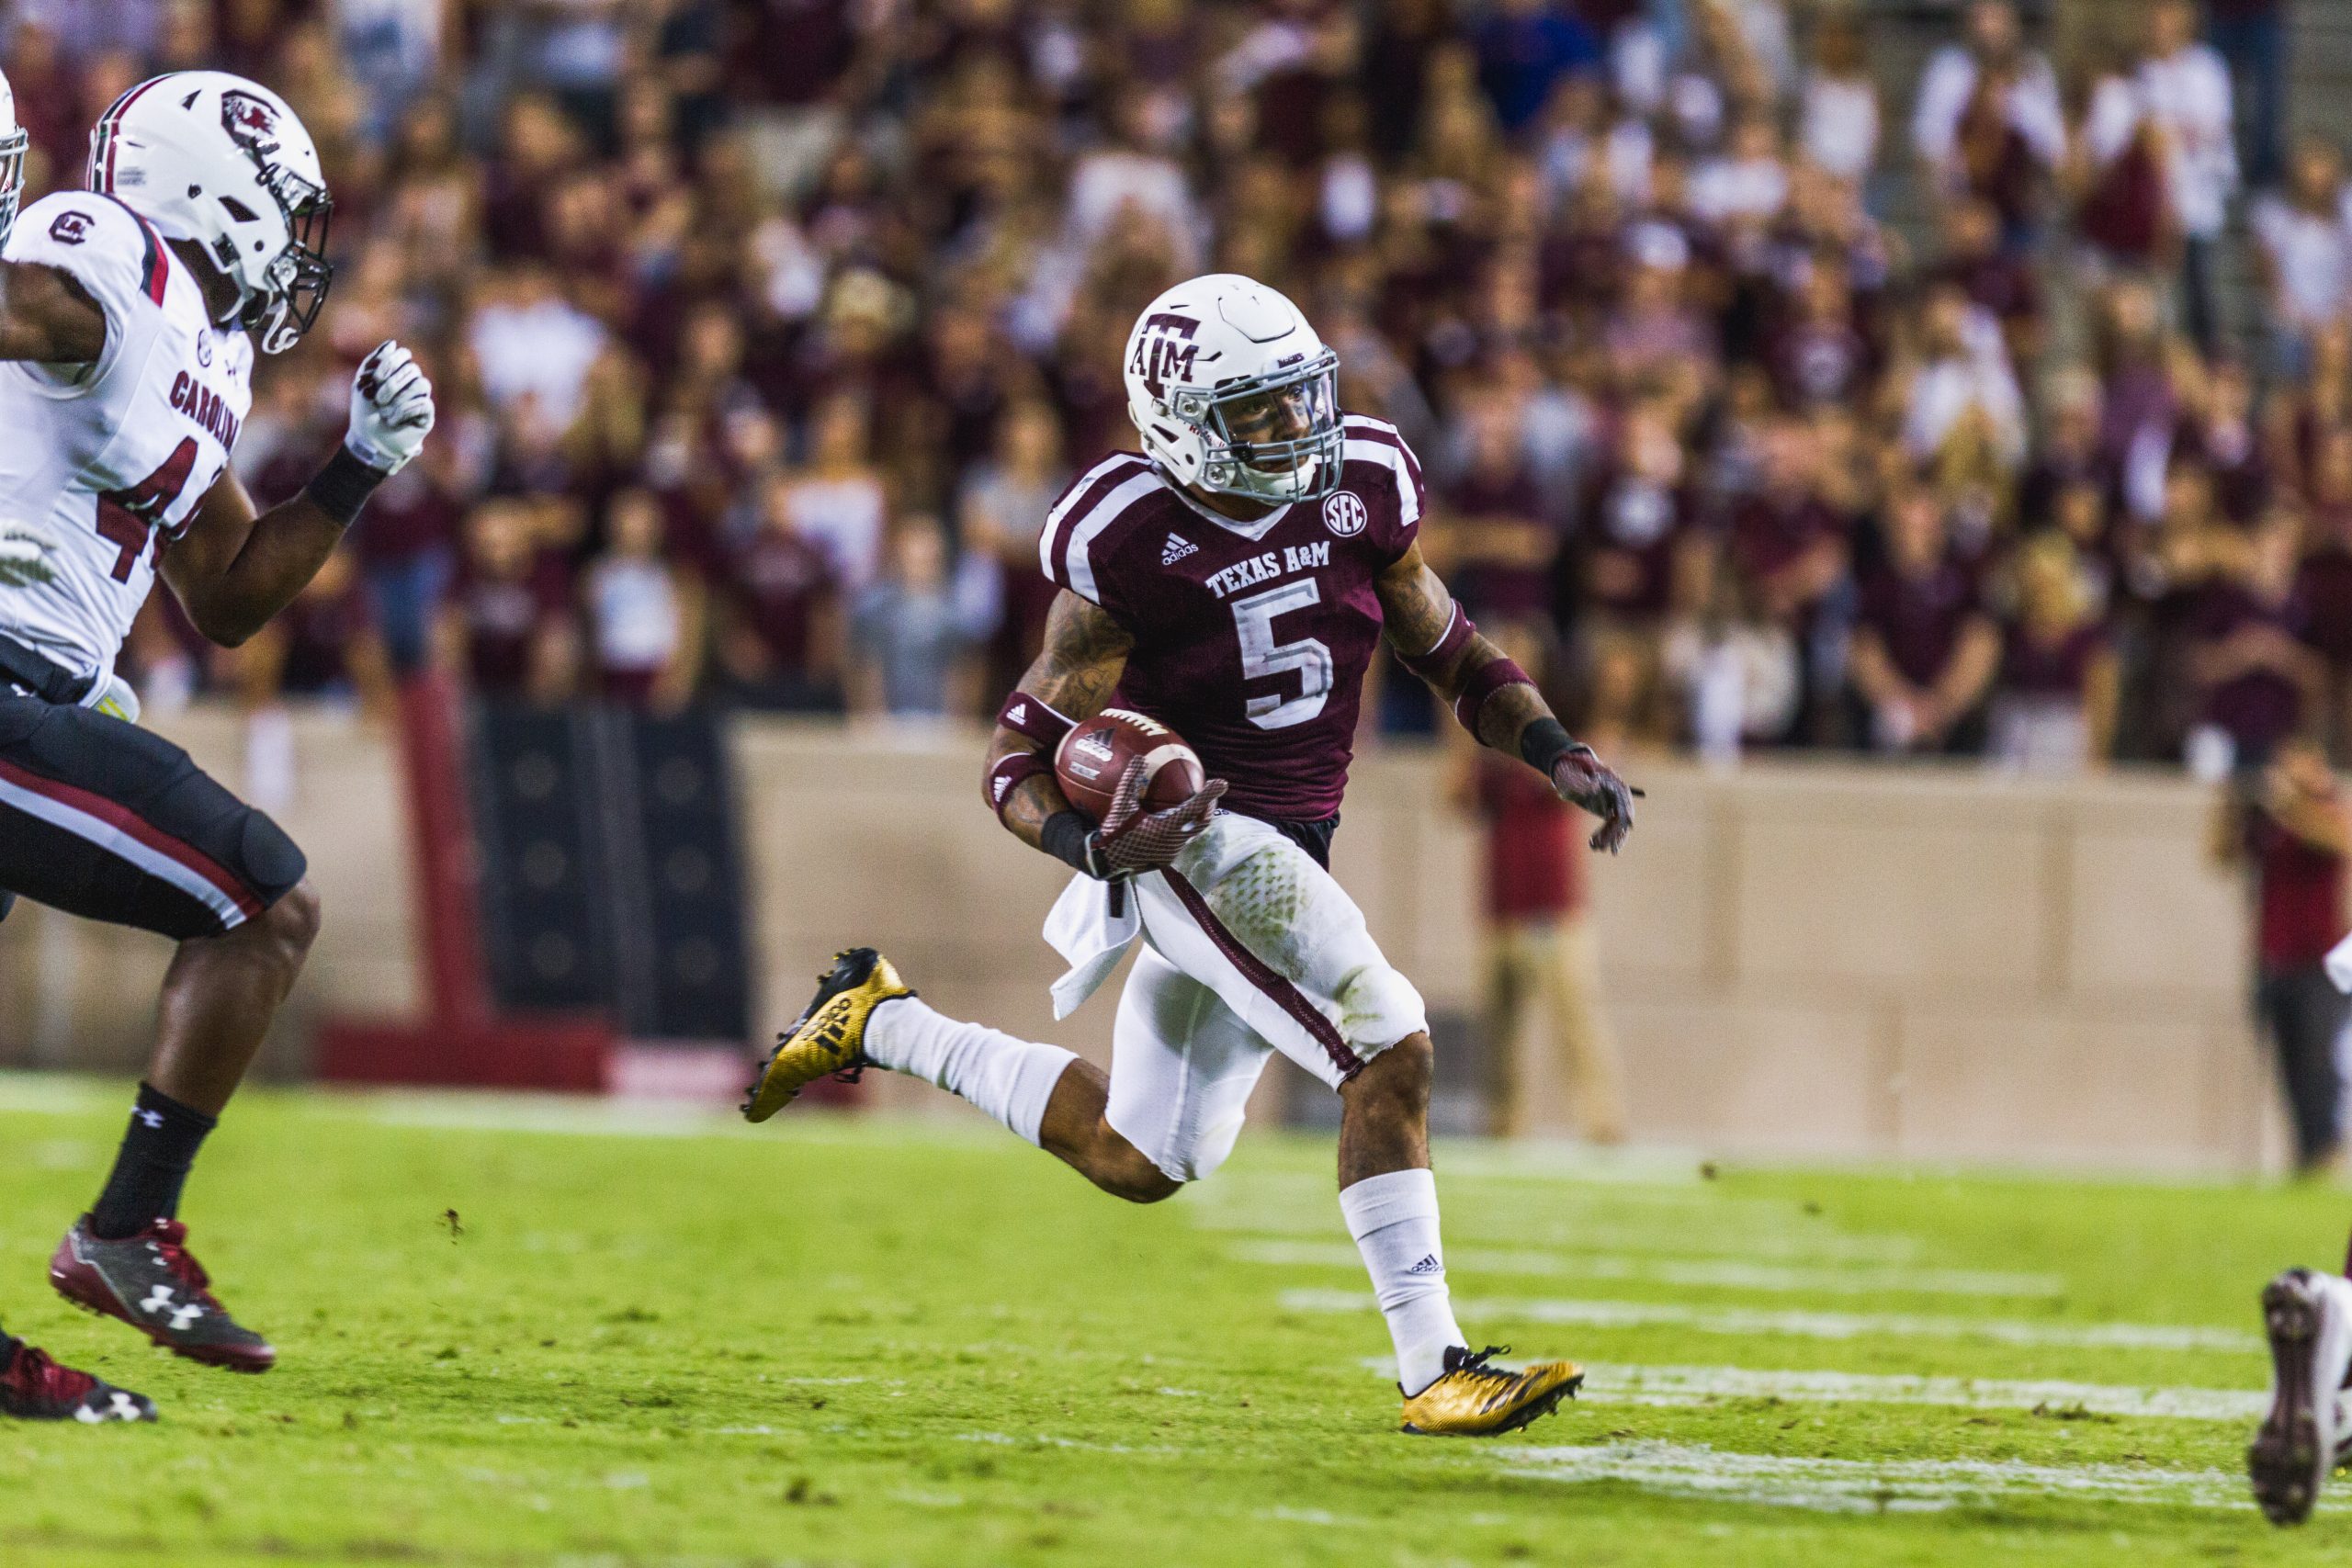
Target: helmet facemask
x,y
293,288
1242,424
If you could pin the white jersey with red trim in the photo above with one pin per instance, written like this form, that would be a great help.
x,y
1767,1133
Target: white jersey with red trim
x,y
102,465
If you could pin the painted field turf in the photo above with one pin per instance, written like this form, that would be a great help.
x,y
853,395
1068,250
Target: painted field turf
x,y
528,1333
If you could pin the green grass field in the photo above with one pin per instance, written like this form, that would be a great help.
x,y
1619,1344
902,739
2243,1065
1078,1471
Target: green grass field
x,y
831,1342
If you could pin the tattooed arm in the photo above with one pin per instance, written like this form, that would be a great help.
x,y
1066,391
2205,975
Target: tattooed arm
x,y
1084,653
1494,699
1419,612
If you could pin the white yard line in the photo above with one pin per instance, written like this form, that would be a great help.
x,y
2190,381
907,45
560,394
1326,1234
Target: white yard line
x,y
1809,1325
1692,1385
1734,1239
1730,1273
1864,1486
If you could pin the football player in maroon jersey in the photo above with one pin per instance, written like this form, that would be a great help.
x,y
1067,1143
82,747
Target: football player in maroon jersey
x,y
1233,581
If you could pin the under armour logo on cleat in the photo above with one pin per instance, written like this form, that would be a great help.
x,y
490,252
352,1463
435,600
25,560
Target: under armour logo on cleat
x,y
120,1407
1429,1265
159,1300
1176,549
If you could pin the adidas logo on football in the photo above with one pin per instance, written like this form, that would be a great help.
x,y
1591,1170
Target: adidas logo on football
x,y
1176,549
1429,1265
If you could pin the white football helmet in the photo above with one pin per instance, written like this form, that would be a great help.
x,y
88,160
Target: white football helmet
x,y
1234,392
13,143
215,159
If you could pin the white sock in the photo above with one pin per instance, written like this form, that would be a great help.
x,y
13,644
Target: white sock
x,y
1011,1080
2337,1347
1393,1219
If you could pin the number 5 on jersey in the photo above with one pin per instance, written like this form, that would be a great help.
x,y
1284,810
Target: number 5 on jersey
x,y
1261,656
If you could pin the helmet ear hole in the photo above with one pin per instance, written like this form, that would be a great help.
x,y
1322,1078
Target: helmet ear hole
x,y
238,209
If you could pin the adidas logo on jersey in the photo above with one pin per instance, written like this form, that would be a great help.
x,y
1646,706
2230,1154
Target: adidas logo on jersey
x,y
1429,1265
1176,549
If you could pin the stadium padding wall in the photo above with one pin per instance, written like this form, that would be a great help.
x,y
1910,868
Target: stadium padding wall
x,y
1813,959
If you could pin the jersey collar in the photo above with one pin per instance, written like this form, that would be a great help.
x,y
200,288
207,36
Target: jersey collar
x,y
1253,532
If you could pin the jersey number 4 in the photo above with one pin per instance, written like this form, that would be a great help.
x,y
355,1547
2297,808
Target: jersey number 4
x,y
133,517
1261,656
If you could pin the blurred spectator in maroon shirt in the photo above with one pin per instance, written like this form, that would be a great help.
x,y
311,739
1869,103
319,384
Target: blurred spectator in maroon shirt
x,y
1639,561
1653,332
2256,681
1784,536
2066,451
2053,708
324,644
1818,356
780,618
507,629
643,611
2286,824
1925,650
1493,533
1998,281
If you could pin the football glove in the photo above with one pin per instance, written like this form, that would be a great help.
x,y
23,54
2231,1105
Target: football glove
x,y
392,408
1133,839
1583,780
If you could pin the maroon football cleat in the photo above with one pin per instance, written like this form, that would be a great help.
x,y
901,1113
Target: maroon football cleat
x,y
34,1387
153,1282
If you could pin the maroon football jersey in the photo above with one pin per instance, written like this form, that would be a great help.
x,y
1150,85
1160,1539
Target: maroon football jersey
x,y
1250,639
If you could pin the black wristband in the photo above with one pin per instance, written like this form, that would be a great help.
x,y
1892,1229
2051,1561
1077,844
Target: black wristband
x,y
1544,741
343,487
1064,837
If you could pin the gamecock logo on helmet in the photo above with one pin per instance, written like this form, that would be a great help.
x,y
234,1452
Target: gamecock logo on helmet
x,y
71,228
1344,515
253,122
1166,351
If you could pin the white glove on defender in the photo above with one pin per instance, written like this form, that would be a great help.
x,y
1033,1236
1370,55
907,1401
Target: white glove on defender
x,y
392,408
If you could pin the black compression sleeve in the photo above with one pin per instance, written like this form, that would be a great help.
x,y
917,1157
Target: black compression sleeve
x,y
343,487
1544,742
1064,837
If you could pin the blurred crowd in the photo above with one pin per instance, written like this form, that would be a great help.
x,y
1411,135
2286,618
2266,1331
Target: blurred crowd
x,y
767,330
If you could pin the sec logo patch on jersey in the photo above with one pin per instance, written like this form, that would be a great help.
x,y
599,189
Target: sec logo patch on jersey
x,y
1344,515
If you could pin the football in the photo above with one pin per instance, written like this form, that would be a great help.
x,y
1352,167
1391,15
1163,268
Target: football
x,y
1091,757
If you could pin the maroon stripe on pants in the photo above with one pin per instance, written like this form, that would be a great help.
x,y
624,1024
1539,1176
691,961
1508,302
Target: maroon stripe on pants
x,y
1255,970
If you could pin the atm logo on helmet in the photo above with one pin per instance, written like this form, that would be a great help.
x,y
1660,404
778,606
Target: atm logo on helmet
x,y
1165,352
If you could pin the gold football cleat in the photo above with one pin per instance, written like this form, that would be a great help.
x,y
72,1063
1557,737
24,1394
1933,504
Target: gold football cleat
x,y
829,1037
1474,1400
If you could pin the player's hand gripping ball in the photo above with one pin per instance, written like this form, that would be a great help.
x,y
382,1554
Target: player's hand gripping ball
x,y
392,408
1145,788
